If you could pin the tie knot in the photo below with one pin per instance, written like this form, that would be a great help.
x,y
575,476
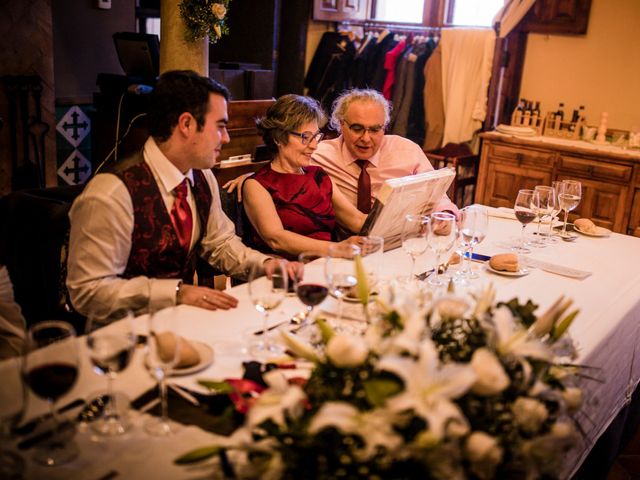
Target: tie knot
x,y
181,190
362,163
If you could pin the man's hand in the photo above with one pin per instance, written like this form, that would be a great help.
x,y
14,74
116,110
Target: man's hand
x,y
295,270
236,183
205,297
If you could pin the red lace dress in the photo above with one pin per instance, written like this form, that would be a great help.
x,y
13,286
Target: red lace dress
x,y
303,202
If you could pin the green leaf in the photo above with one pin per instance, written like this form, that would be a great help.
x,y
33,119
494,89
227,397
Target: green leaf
x,y
379,389
197,455
363,284
222,388
563,325
325,330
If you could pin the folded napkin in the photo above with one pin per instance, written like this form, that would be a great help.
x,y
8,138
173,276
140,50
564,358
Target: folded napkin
x,y
557,269
501,212
187,355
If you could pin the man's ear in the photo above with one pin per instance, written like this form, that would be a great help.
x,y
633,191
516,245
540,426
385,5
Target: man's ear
x,y
186,123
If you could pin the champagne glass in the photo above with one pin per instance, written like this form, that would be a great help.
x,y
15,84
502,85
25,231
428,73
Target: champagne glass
x,y
524,210
568,198
340,271
441,235
474,223
266,295
556,210
51,370
12,404
111,348
545,208
414,238
163,353
310,291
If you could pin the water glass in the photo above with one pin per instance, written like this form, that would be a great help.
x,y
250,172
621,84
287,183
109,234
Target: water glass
x,y
569,197
544,209
414,238
441,235
340,271
474,223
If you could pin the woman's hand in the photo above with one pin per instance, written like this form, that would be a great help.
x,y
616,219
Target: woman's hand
x,y
236,183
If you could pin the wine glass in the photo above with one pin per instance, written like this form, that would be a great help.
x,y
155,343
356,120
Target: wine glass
x,y
340,271
568,198
12,404
266,295
311,291
556,210
414,238
111,348
545,208
474,223
524,210
163,353
441,235
51,370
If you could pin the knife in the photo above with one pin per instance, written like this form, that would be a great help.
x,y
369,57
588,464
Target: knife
x,y
272,327
32,424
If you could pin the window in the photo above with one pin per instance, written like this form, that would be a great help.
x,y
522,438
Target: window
x,y
405,11
437,12
473,12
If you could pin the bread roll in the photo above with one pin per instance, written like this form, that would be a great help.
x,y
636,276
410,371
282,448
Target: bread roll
x,y
507,262
454,259
586,225
187,356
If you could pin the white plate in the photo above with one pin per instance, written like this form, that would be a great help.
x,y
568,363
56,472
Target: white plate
x,y
601,232
206,359
350,299
520,273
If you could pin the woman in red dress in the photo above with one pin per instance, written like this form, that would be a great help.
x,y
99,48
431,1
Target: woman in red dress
x,y
293,206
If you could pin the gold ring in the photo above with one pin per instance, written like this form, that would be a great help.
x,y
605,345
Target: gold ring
x,y
204,297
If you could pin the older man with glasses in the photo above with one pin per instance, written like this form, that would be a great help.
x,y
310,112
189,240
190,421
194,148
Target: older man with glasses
x,y
363,156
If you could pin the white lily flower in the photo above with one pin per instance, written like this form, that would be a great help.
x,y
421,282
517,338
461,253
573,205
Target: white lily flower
x,y
373,426
514,339
429,386
347,351
492,378
278,399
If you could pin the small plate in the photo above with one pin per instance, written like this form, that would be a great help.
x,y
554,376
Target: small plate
x,y
206,359
601,232
350,299
520,273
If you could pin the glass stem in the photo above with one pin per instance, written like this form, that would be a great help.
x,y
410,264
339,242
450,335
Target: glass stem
x,y
413,266
538,234
265,327
564,227
57,425
436,281
339,308
163,398
468,262
522,237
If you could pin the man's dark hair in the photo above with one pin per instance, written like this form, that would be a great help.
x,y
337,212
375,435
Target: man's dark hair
x,y
176,92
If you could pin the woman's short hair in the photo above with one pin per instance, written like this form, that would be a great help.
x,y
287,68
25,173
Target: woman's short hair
x,y
287,115
176,92
341,105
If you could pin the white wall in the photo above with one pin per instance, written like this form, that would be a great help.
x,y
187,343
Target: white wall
x,y
600,70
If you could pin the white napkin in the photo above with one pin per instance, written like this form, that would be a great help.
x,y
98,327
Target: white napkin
x,y
557,269
501,212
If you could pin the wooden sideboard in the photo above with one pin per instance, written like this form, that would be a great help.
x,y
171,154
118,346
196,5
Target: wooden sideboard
x,y
610,179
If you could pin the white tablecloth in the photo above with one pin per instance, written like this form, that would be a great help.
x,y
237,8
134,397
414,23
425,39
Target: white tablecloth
x,y
606,331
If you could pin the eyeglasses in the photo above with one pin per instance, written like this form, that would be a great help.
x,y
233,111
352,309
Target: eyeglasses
x,y
360,129
307,137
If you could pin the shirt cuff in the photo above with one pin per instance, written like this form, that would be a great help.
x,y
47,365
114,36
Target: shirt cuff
x,y
162,293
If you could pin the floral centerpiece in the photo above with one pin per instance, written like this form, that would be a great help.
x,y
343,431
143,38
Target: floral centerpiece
x,y
205,18
454,388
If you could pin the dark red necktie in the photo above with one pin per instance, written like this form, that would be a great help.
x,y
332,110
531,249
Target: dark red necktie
x,y
364,187
181,215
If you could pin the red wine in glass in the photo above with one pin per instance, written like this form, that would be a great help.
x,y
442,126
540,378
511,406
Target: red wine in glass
x,y
50,381
312,294
525,217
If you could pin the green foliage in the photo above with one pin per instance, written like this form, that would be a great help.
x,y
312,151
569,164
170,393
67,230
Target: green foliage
x,y
524,312
201,20
457,338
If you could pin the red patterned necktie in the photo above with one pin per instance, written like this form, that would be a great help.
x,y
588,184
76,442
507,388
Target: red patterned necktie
x,y
181,215
364,187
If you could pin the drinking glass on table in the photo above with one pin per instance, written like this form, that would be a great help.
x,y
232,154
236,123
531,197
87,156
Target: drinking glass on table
x,y
163,353
310,290
441,235
414,238
474,223
111,348
569,197
555,185
340,271
51,370
524,208
12,405
266,295
544,208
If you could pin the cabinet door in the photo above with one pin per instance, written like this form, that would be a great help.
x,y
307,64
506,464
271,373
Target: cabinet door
x,y
503,182
604,203
339,10
558,16
634,221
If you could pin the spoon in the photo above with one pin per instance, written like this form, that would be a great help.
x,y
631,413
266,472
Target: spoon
x,y
568,237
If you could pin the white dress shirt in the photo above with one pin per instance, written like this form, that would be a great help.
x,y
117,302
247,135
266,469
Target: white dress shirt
x,y
12,324
102,221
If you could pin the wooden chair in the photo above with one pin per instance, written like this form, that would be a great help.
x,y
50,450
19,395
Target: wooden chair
x,y
465,163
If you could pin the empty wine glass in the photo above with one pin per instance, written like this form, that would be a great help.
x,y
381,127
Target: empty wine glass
x,y
163,353
474,222
524,209
414,238
568,198
51,370
310,290
12,404
266,295
555,185
441,235
340,271
111,348
545,208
